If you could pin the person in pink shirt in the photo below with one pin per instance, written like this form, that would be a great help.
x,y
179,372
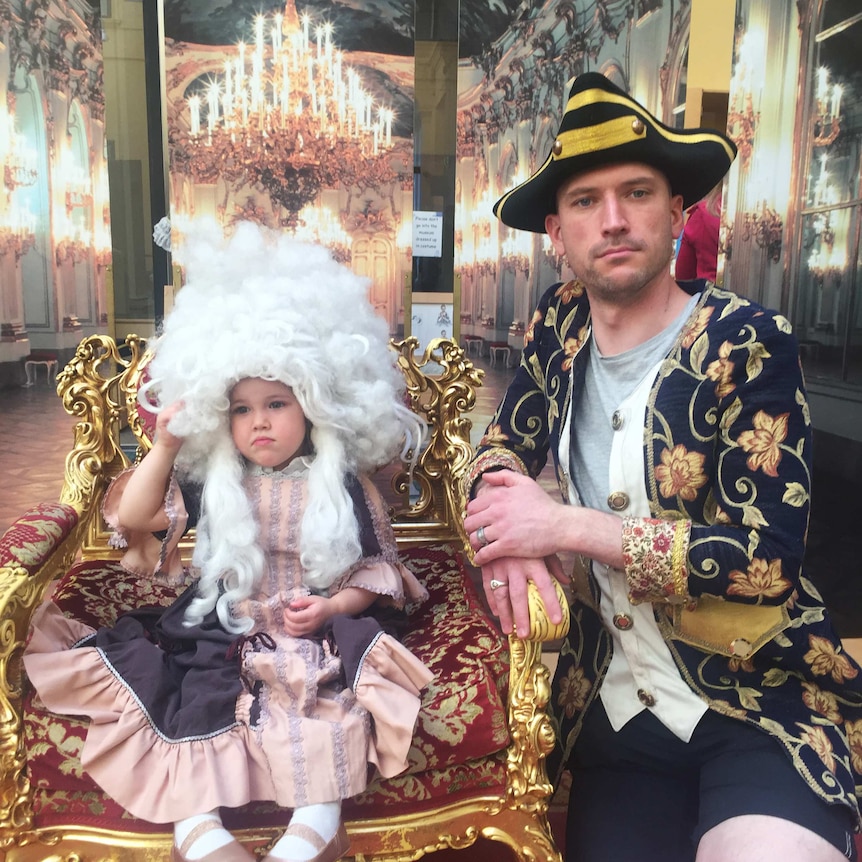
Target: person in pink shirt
x,y
698,246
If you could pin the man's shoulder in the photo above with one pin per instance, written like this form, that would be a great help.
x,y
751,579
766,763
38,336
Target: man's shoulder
x,y
730,309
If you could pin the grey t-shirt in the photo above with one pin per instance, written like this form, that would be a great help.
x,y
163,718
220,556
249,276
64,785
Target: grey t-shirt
x,y
608,381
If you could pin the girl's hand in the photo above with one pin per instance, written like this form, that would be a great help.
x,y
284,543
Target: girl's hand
x,y
163,436
306,615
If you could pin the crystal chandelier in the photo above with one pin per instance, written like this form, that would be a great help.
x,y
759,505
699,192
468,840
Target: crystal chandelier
x,y
286,114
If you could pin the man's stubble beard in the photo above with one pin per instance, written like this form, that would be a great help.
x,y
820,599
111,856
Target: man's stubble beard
x,y
613,291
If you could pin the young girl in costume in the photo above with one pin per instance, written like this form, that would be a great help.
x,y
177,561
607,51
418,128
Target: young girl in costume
x,y
269,678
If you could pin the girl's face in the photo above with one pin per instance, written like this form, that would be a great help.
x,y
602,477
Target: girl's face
x,y
267,424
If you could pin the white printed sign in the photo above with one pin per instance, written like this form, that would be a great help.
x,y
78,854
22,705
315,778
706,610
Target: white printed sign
x,y
427,234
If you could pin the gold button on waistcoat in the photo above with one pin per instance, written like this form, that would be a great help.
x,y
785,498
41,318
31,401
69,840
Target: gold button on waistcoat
x,y
618,500
617,420
740,647
645,697
623,622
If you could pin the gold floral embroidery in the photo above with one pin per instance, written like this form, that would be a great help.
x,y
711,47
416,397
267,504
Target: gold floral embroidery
x,y
696,327
680,473
721,371
572,345
854,738
570,290
763,579
54,736
764,442
825,659
531,329
725,708
821,701
494,436
734,665
816,737
574,688
721,517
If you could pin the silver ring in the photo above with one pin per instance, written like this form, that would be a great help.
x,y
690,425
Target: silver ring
x,y
494,584
481,538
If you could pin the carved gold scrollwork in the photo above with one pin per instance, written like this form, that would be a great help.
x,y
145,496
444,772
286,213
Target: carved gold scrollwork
x,y
89,394
97,386
441,399
18,596
129,382
529,693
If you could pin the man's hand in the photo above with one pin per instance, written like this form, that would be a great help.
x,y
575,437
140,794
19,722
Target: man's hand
x,y
505,582
513,517
511,505
517,518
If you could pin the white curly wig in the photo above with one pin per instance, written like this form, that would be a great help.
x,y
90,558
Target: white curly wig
x,y
264,305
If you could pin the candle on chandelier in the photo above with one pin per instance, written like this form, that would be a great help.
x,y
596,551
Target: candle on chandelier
x,y
837,91
327,47
285,88
258,35
240,67
195,111
212,106
276,33
227,102
822,83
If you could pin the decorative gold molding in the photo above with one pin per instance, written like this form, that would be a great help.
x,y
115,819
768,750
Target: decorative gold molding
x,y
441,399
529,693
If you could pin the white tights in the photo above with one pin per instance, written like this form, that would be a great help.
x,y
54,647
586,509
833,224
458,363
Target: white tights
x,y
324,818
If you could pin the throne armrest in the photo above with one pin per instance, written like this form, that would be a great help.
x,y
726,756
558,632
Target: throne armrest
x,y
37,548
36,535
529,692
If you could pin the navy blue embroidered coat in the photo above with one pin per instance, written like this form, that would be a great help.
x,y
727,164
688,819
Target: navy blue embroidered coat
x,y
727,464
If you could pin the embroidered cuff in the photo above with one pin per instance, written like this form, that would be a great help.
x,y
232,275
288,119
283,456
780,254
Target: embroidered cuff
x,y
497,458
654,555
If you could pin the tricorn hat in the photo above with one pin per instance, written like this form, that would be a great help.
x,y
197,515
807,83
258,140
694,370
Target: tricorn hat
x,y
602,125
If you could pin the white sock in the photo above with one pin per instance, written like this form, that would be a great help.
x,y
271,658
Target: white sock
x,y
324,818
208,842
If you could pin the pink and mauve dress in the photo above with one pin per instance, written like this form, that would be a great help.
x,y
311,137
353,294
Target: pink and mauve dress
x,y
184,720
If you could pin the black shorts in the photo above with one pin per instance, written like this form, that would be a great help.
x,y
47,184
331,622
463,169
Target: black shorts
x,y
643,794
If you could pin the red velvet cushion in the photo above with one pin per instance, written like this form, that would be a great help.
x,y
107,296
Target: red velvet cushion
x,y
34,536
463,717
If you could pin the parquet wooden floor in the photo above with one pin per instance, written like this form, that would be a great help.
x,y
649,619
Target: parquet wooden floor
x,y
35,435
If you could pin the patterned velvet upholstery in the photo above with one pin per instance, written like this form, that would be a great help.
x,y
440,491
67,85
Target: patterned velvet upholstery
x,y
31,539
477,760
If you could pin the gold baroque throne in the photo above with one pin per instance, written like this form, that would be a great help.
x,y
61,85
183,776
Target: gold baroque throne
x,y
477,766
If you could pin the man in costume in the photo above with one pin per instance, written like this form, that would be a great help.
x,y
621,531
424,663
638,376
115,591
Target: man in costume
x,y
705,707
